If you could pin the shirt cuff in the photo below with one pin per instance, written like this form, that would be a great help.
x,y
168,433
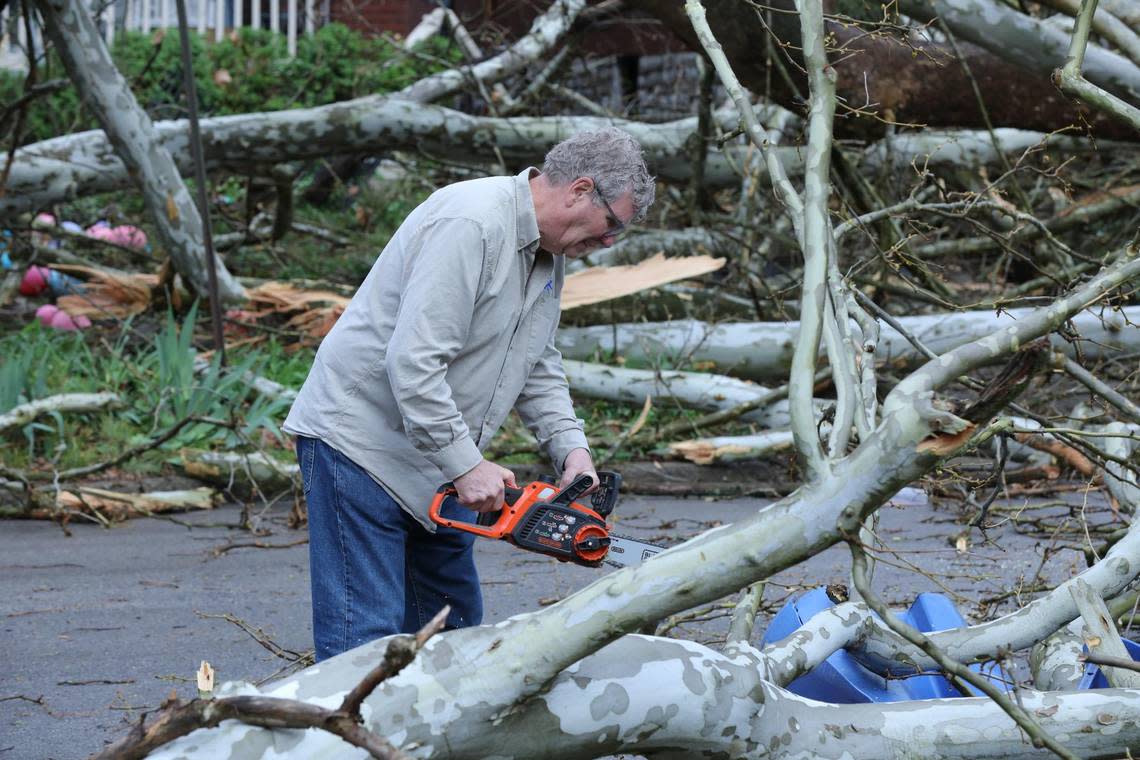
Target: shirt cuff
x,y
562,444
457,458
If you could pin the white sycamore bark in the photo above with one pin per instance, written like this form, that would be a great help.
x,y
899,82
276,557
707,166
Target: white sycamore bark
x,y
572,681
83,163
1024,40
763,350
22,414
131,133
698,390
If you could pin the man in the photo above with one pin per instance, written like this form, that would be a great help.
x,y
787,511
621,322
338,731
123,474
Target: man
x,y
452,328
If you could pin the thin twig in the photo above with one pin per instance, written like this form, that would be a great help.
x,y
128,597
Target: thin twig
x,y
1038,735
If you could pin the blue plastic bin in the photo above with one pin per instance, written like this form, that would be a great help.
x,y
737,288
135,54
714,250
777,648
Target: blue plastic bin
x,y
843,680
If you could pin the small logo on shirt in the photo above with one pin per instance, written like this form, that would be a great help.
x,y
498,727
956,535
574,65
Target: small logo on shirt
x,y
549,285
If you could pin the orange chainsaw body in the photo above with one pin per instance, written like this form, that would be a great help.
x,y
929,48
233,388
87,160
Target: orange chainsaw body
x,y
542,518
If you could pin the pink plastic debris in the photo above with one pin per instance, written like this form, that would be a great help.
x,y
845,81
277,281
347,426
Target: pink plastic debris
x,y
130,236
35,281
61,320
46,312
99,231
125,235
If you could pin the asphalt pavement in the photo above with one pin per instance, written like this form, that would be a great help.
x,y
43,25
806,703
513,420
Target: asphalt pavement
x,y
102,625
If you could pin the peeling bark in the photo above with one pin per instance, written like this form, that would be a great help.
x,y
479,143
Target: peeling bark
x,y
915,81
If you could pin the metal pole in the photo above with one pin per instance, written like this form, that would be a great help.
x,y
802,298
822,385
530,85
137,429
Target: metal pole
x,y
200,181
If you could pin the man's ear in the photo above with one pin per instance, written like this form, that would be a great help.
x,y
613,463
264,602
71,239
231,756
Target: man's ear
x,y
581,186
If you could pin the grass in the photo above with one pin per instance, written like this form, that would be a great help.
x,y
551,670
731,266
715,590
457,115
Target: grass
x,y
149,363
156,379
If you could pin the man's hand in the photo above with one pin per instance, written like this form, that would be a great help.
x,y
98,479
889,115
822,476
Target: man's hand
x,y
481,488
578,462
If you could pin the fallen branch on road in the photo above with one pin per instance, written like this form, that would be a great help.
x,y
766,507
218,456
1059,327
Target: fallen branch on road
x,y
178,719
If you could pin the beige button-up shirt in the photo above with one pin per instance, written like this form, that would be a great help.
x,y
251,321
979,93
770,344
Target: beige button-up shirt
x,y
452,328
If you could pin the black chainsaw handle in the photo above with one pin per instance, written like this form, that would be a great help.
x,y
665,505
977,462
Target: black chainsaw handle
x,y
510,496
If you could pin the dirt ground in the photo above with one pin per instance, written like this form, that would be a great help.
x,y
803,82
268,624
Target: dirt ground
x,y
100,626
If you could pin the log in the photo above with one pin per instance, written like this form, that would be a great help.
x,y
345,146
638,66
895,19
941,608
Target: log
x,y
731,448
240,474
84,163
116,506
763,350
698,390
1025,41
63,402
885,80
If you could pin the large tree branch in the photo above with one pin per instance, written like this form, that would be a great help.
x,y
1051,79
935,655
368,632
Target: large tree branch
x,y
108,96
1024,40
883,78
1076,77
763,350
80,164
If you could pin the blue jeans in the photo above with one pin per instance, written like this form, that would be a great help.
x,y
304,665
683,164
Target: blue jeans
x,y
374,569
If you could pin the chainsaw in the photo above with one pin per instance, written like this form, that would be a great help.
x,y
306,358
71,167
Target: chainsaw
x,y
543,518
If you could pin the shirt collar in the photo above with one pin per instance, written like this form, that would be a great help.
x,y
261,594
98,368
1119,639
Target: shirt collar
x,y
526,223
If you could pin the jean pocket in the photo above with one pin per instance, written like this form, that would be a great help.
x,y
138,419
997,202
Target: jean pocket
x,y
306,456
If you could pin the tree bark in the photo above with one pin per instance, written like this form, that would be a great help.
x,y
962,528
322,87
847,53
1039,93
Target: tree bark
x,y
698,390
80,164
505,691
131,133
64,402
887,80
763,350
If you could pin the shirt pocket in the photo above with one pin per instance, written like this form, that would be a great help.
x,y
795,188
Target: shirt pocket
x,y
543,322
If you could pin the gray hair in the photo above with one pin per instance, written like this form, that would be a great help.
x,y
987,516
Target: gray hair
x,y
608,156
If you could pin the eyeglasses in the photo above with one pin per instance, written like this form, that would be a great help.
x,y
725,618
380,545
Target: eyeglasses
x,y
617,226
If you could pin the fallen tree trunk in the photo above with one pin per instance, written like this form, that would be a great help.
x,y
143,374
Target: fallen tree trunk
x,y
240,474
114,506
84,163
763,350
882,79
80,164
1034,46
698,390
63,403
968,147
